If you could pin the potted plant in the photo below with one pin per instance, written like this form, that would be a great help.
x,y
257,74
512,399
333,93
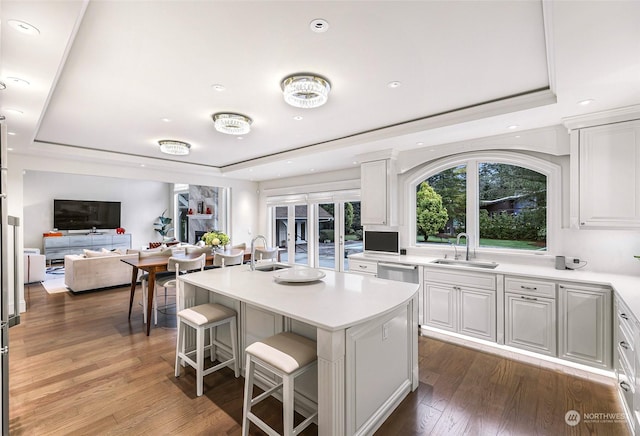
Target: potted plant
x,y
215,239
163,226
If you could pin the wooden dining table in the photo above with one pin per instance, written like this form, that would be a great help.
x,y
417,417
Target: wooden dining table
x,y
153,265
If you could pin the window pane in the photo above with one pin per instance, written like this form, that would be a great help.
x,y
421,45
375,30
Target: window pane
x,y
441,204
513,207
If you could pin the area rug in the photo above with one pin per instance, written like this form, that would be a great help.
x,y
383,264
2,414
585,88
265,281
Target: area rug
x,y
55,285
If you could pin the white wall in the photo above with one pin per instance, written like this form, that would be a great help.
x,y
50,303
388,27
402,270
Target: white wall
x,y
609,251
142,202
33,179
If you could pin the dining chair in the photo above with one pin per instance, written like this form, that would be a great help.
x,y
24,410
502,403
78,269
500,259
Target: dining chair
x,y
144,278
193,249
236,257
266,253
242,246
175,267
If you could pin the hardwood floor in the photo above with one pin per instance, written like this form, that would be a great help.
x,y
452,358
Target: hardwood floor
x,y
79,367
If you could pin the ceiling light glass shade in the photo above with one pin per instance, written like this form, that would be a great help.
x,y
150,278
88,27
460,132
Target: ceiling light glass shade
x,y
305,91
232,124
178,148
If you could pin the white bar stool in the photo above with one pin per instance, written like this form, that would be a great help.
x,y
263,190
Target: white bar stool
x,y
286,355
202,318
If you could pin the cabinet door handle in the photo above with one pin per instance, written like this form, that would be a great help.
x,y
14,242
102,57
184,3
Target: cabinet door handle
x,y
363,266
624,345
625,386
624,316
529,288
528,298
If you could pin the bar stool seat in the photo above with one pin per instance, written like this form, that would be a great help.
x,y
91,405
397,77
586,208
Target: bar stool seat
x,y
202,318
286,355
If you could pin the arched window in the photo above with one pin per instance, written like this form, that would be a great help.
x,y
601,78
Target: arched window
x,y
502,200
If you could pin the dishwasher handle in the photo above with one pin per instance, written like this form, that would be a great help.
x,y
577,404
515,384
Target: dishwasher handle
x,y
397,266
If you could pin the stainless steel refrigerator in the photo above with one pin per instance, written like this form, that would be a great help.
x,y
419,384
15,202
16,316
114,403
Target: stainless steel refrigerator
x,y
8,279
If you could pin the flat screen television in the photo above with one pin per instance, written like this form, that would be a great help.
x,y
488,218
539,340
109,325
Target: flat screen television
x,y
85,215
381,242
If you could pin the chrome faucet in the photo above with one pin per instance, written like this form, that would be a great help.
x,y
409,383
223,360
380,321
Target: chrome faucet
x,y
466,241
455,251
253,250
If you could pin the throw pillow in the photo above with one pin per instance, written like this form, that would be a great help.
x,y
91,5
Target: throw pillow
x,y
91,253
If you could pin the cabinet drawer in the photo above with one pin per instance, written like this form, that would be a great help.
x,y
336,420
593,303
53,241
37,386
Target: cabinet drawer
x,y
363,266
625,320
56,241
462,278
530,287
626,352
625,386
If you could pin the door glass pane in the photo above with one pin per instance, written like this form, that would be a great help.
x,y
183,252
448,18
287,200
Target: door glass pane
x,y
352,231
281,223
513,207
326,236
301,236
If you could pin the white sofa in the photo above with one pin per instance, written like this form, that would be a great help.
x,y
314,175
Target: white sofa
x,y
35,267
94,271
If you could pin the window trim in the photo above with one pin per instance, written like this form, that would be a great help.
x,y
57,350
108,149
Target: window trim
x,y
554,207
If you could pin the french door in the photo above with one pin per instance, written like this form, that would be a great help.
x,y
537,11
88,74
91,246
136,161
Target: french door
x,y
290,232
339,234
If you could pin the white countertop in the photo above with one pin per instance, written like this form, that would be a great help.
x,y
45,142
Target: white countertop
x,y
338,301
626,286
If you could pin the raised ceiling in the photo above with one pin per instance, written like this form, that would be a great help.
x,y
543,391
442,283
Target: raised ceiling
x,y
116,77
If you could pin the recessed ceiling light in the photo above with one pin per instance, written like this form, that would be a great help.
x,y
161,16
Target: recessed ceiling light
x,y
11,133
319,25
289,162
355,162
165,120
240,138
312,169
142,165
419,143
18,81
586,102
513,126
297,118
13,111
517,136
394,84
218,87
2,86
24,27
9,149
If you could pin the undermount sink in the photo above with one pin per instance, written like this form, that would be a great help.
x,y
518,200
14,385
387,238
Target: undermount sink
x,y
271,267
466,263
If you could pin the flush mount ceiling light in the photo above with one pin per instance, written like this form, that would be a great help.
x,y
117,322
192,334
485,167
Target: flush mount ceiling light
x,y
231,124
305,91
177,148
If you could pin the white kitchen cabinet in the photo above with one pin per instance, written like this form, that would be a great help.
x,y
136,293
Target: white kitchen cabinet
x,y
609,175
441,306
530,323
477,313
378,193
461,301
585,325
626,361
365,267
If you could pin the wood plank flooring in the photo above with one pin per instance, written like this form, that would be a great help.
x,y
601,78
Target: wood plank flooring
x,y
79,367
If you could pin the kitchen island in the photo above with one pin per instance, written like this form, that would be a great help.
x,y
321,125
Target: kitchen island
x,y
366,331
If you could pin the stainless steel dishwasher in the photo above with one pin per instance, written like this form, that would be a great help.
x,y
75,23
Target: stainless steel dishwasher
x,y
399,272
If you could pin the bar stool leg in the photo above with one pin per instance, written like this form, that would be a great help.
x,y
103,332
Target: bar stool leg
x,y
287,405
248,394
234,346
179,347
199,361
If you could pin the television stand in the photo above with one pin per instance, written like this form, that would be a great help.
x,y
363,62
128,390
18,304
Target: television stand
x,y
57,247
